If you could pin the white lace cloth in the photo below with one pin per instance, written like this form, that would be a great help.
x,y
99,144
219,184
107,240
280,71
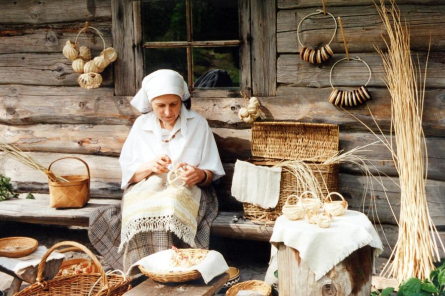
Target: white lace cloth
x,y
213,264
323,248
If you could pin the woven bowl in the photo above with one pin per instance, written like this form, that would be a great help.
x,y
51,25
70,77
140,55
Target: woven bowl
x,y
168,276
15,247
233,277
254,285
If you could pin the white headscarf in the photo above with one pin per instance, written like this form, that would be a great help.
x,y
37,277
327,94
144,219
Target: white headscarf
x,y
158,83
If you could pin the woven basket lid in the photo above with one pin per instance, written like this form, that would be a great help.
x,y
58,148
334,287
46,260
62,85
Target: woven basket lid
x,y
295,140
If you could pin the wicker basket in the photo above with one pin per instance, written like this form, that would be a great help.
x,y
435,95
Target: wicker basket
x,y
16,247
176,276
257,286
72,194
273,142
81,284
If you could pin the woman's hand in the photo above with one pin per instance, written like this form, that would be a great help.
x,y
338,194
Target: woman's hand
x,y
191,175
160,164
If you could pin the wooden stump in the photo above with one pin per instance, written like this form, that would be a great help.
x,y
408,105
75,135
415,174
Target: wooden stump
x,y
352,276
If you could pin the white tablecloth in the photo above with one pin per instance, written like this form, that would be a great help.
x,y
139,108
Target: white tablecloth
x,y
323,248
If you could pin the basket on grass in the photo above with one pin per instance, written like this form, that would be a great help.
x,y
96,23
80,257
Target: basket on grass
x,y
72,194
273,142
254,285
177,276
96,284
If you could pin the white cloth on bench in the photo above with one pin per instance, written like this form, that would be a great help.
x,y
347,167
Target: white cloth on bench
x,y
258,185
18,264
323,248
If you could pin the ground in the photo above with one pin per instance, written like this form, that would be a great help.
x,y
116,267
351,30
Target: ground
x,y
250,257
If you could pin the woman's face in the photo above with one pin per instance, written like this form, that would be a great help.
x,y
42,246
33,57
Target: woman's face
x,y
167,108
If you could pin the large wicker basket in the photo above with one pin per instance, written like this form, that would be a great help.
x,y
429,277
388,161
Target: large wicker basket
x,y
273,142
96,284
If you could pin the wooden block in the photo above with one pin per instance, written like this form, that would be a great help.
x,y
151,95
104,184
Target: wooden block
x,y
196,288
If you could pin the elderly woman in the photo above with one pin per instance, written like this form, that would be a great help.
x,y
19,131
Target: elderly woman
x,y
168,163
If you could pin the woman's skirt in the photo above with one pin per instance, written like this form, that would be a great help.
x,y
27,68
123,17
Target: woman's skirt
x,y
105,233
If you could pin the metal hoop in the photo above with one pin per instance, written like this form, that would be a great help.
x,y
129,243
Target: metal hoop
x,y
309,15
353,59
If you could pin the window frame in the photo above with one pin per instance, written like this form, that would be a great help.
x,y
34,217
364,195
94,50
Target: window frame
x,y
258,54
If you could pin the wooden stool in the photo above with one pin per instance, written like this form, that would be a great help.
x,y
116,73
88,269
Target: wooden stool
x,y
195,288
352,276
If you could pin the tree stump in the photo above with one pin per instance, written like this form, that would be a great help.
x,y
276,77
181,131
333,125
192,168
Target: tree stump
x,y
352,276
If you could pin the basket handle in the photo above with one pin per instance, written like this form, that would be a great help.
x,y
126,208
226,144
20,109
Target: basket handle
x,y
291,197
343,202
307,192
72,157
42,263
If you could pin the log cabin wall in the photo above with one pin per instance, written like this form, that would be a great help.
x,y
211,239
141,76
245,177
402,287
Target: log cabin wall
x,y
43,110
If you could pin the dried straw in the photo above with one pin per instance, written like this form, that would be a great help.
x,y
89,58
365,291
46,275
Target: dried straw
x,y
15,152
416,247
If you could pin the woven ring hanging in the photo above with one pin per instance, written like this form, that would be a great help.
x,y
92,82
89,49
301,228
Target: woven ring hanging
x,y
344,98
320,55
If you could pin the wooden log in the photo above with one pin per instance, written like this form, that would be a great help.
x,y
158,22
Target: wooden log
x,y
363,27
26,39
53,11
245,47
42,69
40,92
353,189
124,43
106,139
289,4
264,51
292,70
352,276
105,173
292,104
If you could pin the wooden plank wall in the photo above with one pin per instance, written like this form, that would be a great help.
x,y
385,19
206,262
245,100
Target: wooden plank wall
x,y
44,111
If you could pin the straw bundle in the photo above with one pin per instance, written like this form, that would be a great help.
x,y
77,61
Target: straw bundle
x,y
416,248
15,152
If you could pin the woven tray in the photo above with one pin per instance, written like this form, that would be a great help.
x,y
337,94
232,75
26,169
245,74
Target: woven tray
x,y
176,276
257,286
16,247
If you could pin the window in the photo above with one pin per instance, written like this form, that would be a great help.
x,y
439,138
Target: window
x,y
198,38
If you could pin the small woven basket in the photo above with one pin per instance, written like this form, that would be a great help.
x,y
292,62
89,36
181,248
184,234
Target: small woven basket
x,y
335,207
293,211
16,247
311,205
72,194
254,285
176,276
273,142
96,284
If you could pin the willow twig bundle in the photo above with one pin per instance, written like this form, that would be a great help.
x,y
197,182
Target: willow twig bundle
x,y
416,247
15,152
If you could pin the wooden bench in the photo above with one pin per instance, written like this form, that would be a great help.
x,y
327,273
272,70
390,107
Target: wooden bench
x,y
38,212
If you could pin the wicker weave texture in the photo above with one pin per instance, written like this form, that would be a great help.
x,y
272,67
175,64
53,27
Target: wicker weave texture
x,y
325,174
294,140
79,284
176,276
254,285
16,247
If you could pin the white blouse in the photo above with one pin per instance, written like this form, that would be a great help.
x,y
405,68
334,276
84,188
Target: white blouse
x,y
194,144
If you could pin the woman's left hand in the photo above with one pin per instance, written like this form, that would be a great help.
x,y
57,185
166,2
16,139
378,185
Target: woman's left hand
x,y
190,175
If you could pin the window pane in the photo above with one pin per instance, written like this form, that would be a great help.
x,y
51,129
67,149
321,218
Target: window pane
x,y
215,20
216,67
164,20
166,58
